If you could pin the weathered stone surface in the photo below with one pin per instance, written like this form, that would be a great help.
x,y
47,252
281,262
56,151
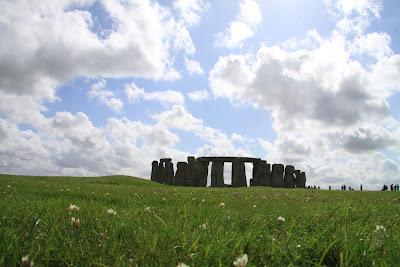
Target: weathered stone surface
x,y
255,181
180,174
288,178
155,173
195,172
190,172
264,174
217,174
201,173
161,169
277,175
296,177
302,180
238,174
169,173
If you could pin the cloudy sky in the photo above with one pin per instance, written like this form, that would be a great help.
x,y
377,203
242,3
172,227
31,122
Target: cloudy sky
x,y
105,87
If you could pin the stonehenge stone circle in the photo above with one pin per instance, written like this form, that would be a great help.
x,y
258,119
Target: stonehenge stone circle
x,y
194,172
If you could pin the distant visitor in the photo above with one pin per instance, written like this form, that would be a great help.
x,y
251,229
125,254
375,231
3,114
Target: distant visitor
x,y
194,172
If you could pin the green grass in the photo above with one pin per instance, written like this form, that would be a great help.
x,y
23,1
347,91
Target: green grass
x,y
159,225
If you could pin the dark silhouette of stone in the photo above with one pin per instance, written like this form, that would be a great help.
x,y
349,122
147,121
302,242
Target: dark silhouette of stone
x,y
277,175
161,170
238,174
296,178
301,181
194,172
217,174
264,173
288,178
155,172
190,172
180,174
169,172
201,172
254,181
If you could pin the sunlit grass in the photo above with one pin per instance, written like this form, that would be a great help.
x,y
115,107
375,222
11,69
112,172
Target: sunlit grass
x,y
124,221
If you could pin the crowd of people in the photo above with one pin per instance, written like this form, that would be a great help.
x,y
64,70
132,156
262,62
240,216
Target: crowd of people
x,y
393,187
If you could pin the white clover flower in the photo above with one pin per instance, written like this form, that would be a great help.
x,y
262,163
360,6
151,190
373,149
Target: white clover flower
x,y
222,205
107,194
203,200
281,219
203,226
111,212
73,207
241,261
25,262
75,222
147,209
181,264
380,228
254,206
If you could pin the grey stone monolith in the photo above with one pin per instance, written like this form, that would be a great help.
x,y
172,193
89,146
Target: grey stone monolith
x,y
238,174
155,173
277,175
288,178
302,180
169,172
161,169
180,174
255,178
190,172
201,173
217,174
297,177
264,174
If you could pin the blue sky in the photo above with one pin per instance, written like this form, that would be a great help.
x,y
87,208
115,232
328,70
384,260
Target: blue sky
x,y
104,87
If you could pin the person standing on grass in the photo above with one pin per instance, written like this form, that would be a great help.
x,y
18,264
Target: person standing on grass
x,y
329,188
361,189
391,187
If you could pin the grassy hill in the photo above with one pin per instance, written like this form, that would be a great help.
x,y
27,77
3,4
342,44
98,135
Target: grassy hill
x,y
157,225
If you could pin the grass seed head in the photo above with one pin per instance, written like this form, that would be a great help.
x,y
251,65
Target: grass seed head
x,y
111,212
241,261
73,207
25,262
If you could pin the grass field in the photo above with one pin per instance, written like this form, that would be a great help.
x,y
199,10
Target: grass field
x,y
157,225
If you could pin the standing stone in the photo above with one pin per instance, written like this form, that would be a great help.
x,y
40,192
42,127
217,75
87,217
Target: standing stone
x,y
190,172
161,169
201,172
296,177
180,174
277,175
169,172
302,180
264,174
217,174
238,174
165,160
255,181
288,179
155,173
